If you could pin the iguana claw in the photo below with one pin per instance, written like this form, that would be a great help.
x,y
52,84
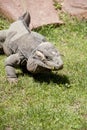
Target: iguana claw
x,y
12,80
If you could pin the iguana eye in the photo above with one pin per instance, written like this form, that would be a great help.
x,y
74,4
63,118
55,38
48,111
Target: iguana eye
x,y
48,58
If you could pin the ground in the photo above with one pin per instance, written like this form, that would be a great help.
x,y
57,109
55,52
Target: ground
x,y
56,101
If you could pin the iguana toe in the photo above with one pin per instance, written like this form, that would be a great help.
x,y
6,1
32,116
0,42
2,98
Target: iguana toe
x,y
12,80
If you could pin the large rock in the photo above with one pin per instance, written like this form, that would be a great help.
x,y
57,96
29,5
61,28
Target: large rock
x,y
42,11
76,7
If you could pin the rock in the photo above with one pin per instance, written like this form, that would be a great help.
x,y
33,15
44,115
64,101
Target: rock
x,y
42,11
76,8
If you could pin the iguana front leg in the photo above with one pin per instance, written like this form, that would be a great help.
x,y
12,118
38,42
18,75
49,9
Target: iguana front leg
x,y
11,62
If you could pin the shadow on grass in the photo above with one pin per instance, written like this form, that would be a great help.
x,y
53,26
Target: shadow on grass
x,y
48,77
51,77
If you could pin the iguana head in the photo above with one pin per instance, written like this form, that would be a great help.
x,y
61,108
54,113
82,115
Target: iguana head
x,y
44,57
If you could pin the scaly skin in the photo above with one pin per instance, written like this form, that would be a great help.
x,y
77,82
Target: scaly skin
x,y
27,48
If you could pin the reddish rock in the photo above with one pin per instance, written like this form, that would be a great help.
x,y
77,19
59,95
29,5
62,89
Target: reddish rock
x,y
76,7
42,11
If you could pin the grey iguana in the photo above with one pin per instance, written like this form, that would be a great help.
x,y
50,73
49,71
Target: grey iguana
x,y
27,49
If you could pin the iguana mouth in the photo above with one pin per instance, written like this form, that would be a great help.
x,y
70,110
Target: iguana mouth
x,y
54,66
38,66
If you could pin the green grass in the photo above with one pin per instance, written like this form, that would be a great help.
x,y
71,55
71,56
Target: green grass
x,y
56,101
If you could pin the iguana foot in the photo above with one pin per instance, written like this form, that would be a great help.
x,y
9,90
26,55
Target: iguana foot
x,y
12,80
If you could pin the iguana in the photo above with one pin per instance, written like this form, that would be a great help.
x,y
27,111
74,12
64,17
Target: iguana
x,y
27,49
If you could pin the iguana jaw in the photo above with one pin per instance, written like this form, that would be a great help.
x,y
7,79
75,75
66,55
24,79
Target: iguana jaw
x,y
54,66
38,66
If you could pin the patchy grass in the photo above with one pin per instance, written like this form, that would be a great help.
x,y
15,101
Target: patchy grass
x,y
56,101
